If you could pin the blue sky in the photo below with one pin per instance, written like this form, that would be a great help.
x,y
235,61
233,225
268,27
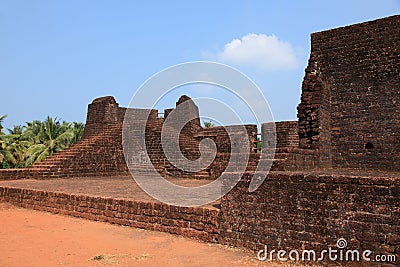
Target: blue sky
x,y
57,56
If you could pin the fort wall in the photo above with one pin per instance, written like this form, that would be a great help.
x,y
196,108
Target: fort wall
x,y
350,98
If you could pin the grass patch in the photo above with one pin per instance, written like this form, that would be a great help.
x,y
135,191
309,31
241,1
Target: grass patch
x,y
107,259
98,257
143,256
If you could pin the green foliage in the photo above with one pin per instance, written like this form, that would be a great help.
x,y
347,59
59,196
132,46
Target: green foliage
x,y
208,124
77,129
25,145
13,146
98,257
259,146
1,122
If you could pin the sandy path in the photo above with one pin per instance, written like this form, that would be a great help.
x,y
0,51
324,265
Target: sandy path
x,y
32,238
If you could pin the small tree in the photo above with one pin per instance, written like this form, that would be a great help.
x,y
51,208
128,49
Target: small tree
x,y
208,124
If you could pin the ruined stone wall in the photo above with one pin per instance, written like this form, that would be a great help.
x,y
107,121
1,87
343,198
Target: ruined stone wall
x,y
221,138
200,223
103,111
289,211
350,101
310,211
184,123
288,156
100,151
286,134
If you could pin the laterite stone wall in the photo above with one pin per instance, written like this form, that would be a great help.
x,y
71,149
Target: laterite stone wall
x,y
100,151
350,98
309,211
200,223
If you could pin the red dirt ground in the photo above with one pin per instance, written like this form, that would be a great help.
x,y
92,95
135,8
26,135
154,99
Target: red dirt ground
x,y
33,238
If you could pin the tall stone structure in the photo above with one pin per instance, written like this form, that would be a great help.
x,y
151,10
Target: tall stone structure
x,y
350,101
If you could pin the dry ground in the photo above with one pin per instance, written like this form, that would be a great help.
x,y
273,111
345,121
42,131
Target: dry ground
x,y
33,238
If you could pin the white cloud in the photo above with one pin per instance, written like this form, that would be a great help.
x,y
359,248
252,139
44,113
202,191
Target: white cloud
x,y
262,51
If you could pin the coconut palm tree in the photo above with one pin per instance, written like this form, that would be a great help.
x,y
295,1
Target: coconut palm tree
x,y
28,144
3,152
1,133
13,147
52,136
1,122
77,128
33,131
